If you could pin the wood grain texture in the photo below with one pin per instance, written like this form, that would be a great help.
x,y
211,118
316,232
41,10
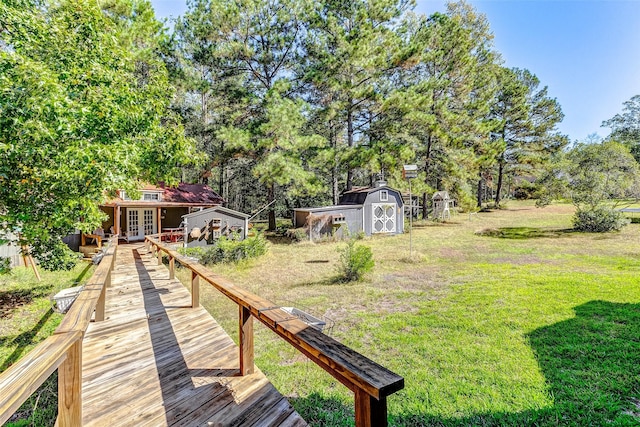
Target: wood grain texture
x,y
351,368
24,377
155,361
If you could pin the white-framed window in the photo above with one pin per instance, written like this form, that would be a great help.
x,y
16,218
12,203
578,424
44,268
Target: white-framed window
x,y
123,195
384,196
150,196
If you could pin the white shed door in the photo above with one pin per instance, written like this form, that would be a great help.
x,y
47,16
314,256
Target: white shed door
x,y
384,217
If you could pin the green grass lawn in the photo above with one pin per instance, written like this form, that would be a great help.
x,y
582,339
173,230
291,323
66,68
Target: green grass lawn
x,y
26,319
507,318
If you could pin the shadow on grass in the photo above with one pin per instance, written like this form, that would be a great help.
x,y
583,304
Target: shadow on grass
x,y
591,363
518,233
12,300
24,340
83,273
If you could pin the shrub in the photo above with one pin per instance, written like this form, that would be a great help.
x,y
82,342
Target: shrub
x,y
297,234
195,252
230,250
5,265
355,261
54,254
599,220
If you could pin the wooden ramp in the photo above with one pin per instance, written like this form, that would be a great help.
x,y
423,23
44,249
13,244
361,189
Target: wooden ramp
x,y
155,361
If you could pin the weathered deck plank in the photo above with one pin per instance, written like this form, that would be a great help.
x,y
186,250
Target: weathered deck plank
x,y
155,361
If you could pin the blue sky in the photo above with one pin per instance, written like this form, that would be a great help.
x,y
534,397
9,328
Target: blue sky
x,y
586,51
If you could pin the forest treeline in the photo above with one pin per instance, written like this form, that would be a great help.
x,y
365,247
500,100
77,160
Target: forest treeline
x,y
297,101
283,101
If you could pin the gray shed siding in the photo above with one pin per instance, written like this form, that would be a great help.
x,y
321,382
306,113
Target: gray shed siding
x,y
374,197
324,224
229,221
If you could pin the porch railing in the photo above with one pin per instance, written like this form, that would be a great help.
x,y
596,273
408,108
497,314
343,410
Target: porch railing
x,y
61,351
370,382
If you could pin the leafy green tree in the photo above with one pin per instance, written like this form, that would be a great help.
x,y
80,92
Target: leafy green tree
x,y
443,98
84,101
625,127
526,119
594,177
350,50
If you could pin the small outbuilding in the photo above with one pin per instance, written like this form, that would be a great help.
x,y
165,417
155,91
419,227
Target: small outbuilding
x,y
442,205
204,227
377,210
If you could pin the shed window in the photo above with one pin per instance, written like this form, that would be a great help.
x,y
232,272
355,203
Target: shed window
x,y
384,196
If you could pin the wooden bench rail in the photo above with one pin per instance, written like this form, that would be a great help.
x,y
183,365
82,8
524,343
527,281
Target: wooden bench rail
x,y
24,377
92,297
370,382
61,351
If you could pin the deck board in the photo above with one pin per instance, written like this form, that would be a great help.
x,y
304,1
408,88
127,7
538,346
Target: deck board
x,y
155,361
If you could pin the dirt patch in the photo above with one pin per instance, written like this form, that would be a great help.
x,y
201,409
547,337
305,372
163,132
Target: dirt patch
x,y
453,254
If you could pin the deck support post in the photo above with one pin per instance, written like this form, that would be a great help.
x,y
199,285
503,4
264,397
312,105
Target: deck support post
x,y
370,412
70,388
245,340
172,267
195,289
101,302
159,253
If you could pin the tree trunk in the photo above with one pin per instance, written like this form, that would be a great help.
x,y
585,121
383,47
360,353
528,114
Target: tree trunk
x,y
499,185
350,144
427,163
271,196
479,194
335,169
221,179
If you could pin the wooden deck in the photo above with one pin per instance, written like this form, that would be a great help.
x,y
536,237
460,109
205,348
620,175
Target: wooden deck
x,y
156,361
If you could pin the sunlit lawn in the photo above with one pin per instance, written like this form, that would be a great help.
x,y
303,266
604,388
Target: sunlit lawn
x,y
26,319
504,318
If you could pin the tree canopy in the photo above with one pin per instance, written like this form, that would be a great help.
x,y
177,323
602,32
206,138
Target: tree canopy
x,y
85,98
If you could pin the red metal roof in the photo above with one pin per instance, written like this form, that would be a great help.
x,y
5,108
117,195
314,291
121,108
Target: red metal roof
x,y
182,195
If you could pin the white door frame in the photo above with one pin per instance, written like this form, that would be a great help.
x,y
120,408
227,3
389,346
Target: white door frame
x,y
141,222
388,221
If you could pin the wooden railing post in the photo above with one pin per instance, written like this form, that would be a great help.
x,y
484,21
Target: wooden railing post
x,y
246,341
172,267
159,253
100,305
370,412
70,387
195,289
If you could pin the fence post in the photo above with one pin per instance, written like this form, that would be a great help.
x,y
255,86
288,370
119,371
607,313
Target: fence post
x,y
70,387
159,252
172,267
195,289
370,412
246,341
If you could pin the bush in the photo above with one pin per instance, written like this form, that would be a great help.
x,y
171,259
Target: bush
x,y
355,261
5,265
599,220
297,234
525,191
230,250
54,254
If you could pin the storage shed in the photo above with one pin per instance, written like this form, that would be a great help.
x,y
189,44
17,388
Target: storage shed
x,y
377,210
204,227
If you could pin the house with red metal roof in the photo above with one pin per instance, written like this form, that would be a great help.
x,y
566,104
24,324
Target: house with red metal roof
x,y
159,208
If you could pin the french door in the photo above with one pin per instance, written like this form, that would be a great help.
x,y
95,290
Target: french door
x,y
140,222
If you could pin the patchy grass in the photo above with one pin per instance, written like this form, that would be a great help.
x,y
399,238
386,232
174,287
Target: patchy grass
x,y
26,319
526,325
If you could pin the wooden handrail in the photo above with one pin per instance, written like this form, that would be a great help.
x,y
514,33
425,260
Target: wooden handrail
x,y
370,382
61,351
24,377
